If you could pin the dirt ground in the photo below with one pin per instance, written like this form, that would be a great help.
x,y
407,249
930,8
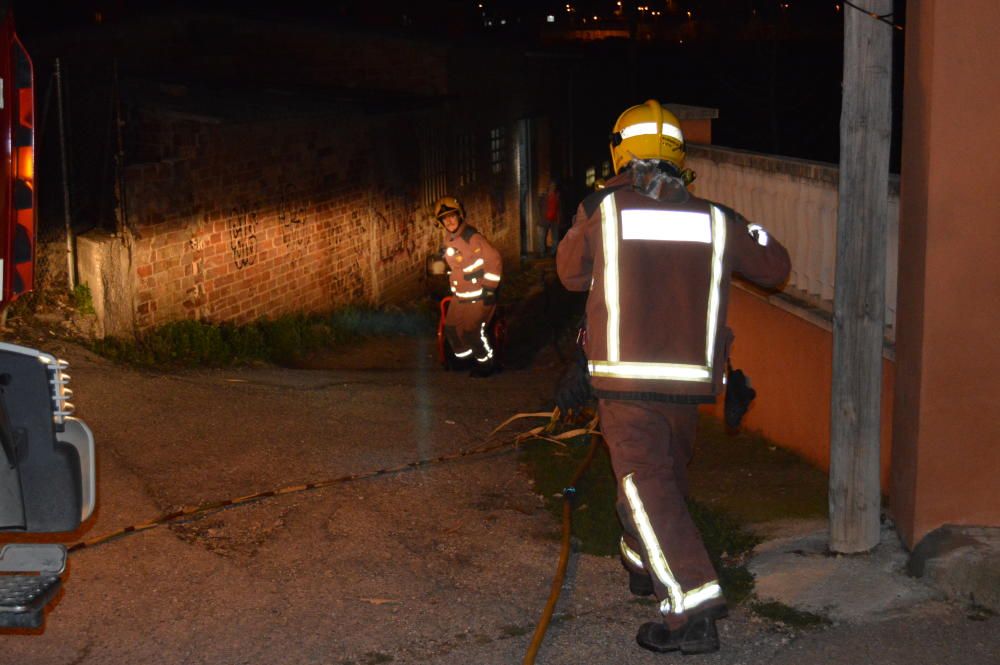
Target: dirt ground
x,y
446,564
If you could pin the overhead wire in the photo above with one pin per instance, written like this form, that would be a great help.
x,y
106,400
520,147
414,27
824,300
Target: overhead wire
x,y
884,18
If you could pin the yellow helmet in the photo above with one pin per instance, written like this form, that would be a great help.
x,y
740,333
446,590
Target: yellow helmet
x,y
447,205
647,131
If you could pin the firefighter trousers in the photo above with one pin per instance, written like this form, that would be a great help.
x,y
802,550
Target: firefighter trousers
x,y
651,444
465,328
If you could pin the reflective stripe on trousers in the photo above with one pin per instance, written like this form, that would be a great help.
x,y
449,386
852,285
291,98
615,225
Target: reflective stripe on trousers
x,y
677,600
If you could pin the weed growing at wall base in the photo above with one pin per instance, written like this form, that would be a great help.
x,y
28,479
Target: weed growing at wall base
x,y
282,340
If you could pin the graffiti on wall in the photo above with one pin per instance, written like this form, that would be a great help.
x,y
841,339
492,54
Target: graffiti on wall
x,y
396,237
292,216
242,225
498,206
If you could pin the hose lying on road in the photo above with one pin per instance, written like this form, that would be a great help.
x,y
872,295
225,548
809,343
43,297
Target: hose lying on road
x,y
569,494
190,511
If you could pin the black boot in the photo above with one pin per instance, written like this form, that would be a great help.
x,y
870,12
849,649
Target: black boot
x,y
698,635
482,370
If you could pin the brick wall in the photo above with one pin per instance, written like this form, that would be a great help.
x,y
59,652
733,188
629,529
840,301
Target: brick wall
x,y
238,220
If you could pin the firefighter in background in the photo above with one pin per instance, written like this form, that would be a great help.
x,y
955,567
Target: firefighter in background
x,y
657,263
474,268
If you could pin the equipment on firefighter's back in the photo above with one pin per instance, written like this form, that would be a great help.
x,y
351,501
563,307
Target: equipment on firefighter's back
x,y
739,395
574,391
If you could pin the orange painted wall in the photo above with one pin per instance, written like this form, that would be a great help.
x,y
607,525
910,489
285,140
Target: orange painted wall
x,y
947,444
789,360
697,131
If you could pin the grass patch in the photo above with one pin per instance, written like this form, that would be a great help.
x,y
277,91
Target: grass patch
x,y
749,477
788,615
283,340
595,522
735,480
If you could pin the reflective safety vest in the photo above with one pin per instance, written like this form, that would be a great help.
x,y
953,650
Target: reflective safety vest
x,y
657,236
659,275
474,265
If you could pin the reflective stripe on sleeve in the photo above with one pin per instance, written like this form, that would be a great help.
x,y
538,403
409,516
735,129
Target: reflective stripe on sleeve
x,y
475,264
493,277
761,236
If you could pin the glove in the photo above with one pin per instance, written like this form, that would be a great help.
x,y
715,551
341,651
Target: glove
x,y
573,391
739,395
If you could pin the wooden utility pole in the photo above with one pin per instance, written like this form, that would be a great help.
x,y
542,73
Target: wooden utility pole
x,y
859,300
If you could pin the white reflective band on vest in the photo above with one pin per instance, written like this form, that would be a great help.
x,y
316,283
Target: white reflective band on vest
x,y
642,128
656,371
667,225
493,277
609,228
475,264
469,294
658,225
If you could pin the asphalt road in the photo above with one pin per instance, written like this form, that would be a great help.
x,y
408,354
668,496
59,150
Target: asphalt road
x,y
447,564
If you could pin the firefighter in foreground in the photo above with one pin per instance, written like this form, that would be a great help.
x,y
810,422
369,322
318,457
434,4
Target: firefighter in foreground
x,y
474,268
657,262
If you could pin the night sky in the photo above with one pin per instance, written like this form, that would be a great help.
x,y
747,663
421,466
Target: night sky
x,y
772,68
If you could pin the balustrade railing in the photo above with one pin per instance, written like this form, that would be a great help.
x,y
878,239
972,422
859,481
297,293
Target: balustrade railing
x,y
796,200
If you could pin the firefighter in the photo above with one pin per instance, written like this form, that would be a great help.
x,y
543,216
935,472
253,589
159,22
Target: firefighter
x,y
474,270
657,263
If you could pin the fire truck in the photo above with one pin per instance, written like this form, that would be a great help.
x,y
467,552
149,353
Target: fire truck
x,y
47,470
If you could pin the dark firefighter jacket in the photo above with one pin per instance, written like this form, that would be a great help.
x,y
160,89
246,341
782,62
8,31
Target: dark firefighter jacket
x,y
658,272
474,265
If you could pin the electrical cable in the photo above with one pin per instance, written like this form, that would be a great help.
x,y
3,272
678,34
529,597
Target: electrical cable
x,y
569,494
540,433
190,511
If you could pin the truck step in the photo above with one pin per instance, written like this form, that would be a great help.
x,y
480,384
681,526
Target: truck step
x,y
23,599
